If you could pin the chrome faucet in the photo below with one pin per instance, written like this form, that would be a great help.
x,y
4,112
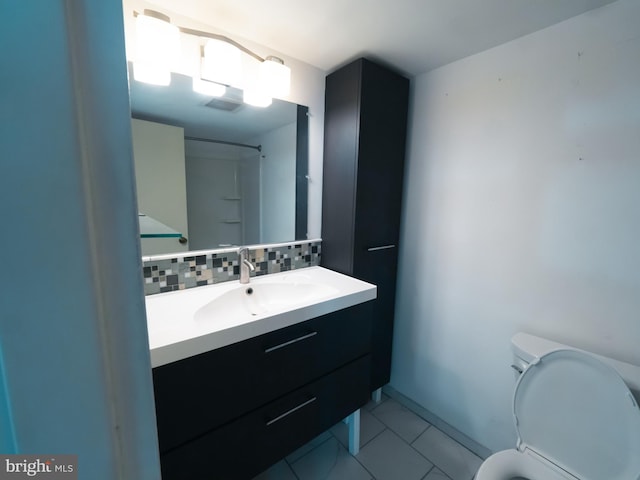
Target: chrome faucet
x,y
245,265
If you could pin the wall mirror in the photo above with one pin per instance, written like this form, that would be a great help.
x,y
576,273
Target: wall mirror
x,y
221,172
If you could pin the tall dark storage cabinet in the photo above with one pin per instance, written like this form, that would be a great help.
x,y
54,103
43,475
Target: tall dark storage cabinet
x,y
364,148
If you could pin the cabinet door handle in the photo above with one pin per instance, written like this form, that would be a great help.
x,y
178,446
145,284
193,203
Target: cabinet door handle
x,y
295,340
382,247
289,412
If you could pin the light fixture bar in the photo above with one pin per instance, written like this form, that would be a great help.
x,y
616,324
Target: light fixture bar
x,y
200,33
154,14
215,36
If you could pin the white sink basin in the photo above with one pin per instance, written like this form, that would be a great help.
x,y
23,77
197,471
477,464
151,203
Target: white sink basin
x,y
261,299
193,321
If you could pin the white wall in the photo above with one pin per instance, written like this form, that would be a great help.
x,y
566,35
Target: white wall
x,y
522,212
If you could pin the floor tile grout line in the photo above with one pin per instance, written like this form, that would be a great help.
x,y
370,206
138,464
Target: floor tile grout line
x,y
292,470
377,405
361,464
362,445
423,432
335,461
339,445
433,465
409,444
307,453
454,440
386,427
422,454
408,410
365,468
401,438
332,435
419,435
393,430
444,427
403,441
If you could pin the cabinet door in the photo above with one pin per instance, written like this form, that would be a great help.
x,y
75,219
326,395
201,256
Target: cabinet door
x,y
380,267
243,448
341,132
380,165
200,393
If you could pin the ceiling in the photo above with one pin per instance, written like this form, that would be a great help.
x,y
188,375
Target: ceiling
x,y
414,36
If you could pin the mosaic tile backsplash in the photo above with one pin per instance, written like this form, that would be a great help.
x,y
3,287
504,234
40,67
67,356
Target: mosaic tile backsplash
x,y
196,269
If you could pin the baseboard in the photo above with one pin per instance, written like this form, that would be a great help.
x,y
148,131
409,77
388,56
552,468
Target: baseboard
x,y
480,450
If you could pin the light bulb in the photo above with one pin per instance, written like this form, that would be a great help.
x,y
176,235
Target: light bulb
x,y
157,47
222,63
275,77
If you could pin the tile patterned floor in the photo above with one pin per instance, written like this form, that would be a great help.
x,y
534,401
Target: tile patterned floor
x,y
395,444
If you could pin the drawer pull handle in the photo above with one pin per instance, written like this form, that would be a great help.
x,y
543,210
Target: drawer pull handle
x,y
295,340
382,247
289,412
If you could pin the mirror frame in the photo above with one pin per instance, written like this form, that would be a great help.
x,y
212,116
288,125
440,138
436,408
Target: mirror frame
x,y
302,173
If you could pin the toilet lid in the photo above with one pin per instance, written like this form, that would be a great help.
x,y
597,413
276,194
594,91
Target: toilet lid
x,y
579,414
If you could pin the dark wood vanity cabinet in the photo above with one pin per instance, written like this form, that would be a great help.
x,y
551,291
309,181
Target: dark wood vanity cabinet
x,y
232,412
364,149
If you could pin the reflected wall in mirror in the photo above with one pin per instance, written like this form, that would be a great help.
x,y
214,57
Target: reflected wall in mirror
x,y
217,170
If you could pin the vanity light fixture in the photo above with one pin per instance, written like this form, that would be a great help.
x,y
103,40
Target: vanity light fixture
x,y
220,61
275,76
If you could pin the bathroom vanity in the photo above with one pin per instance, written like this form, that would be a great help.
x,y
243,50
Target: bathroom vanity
x,y
235,394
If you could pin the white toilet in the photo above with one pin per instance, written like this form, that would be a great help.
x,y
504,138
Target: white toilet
x,y
575,416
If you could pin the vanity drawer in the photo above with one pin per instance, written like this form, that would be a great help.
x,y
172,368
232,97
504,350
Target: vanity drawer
x,y
200,393
250,444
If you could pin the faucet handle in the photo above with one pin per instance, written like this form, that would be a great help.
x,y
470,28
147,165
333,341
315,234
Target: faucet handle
x,y
245,264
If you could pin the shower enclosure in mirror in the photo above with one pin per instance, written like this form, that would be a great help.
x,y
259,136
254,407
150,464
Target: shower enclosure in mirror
x,y
217,170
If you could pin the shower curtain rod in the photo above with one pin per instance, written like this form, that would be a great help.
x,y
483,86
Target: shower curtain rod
x,y
224,142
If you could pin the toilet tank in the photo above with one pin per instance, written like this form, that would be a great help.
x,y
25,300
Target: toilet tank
x,y
526,347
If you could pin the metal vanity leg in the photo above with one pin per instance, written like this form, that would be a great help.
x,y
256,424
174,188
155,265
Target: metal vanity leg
x,y
376,395
353,421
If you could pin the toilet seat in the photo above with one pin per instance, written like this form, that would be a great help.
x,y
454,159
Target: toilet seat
x,y
573,415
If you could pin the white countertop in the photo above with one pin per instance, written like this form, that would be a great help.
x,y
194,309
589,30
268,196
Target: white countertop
x,y
174,332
